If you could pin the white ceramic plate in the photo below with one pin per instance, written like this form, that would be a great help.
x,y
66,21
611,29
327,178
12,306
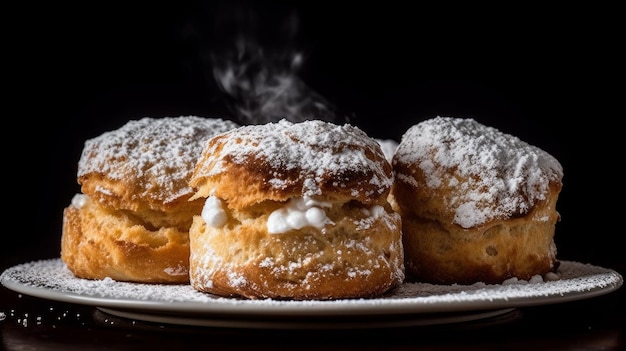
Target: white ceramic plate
x,y
409,304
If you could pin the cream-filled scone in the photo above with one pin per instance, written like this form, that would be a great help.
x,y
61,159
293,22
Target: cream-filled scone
x,y
295,211
131,220
477,205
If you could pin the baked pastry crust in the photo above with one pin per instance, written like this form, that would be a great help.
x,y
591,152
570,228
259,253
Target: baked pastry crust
x,y
256,170
477,205
100,242
131,221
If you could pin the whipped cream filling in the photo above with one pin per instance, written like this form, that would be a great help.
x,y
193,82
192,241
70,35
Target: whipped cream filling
x,y
213,213
298,213
79,200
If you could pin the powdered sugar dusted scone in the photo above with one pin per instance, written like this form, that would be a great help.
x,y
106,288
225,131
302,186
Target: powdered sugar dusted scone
x,y
295,211
131,220
477,205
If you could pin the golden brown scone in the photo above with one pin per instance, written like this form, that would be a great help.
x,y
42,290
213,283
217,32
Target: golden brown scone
x,y
131,220
477,205
295,211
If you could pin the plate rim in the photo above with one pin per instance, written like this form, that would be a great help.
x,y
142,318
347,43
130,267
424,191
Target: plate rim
x,y
330,322
354,307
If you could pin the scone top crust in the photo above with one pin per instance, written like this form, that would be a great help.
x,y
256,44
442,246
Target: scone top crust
x,y
474,173
282,160
146,162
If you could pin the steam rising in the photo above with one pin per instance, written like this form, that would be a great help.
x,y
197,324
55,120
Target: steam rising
x,y
264,86
256,64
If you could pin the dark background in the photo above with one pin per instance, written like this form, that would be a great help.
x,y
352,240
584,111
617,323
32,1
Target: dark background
x,y
551,76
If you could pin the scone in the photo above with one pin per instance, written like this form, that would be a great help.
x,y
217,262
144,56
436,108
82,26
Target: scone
x,y
477,205
131,220
295,211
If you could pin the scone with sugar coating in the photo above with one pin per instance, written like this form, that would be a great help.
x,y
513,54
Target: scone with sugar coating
x,y
295,211
477,205
131,220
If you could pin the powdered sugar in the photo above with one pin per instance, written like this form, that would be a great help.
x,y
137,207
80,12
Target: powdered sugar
x,y
163,151
316,149
502,174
